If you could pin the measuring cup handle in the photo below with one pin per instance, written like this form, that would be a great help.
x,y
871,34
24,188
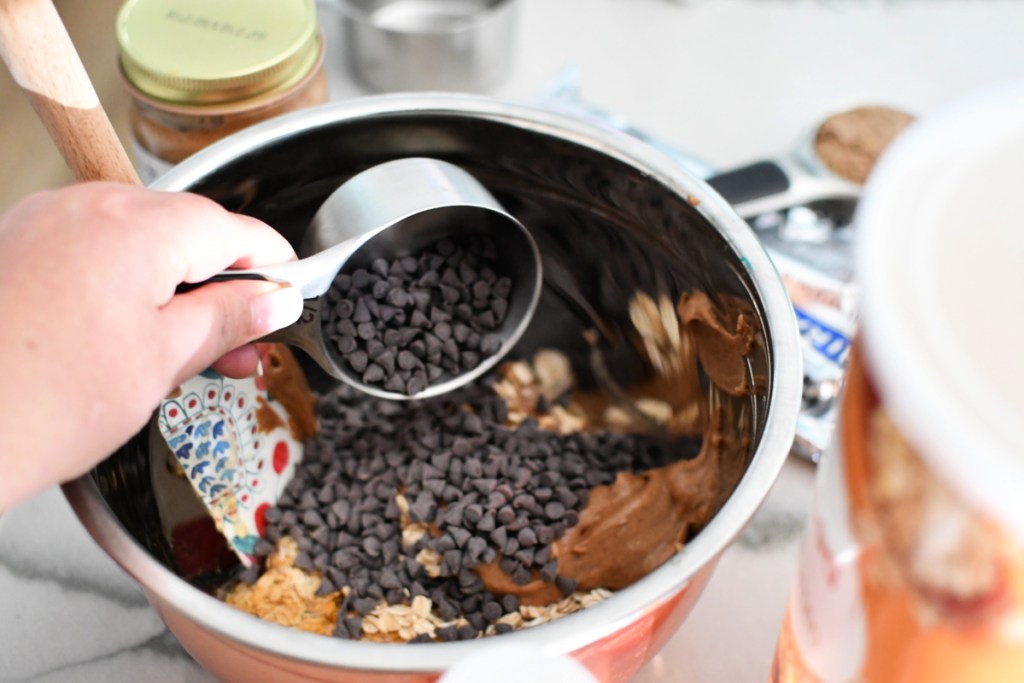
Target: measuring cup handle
x,y
305,333
312,276
222,277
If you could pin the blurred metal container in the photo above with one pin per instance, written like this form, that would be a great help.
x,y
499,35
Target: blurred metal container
x,y
459,45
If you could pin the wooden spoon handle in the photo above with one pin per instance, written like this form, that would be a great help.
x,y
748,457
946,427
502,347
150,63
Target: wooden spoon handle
x,y
43,60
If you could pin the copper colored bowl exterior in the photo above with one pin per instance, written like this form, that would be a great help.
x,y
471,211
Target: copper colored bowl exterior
x,y
559,175
615,658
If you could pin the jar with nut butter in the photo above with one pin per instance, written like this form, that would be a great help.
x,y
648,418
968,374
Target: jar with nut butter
x,y
912,567
199,70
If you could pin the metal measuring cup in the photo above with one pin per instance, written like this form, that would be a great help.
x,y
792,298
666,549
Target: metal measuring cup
x,y
390,210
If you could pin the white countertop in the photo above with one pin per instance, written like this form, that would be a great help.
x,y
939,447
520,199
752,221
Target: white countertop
x,y
727,80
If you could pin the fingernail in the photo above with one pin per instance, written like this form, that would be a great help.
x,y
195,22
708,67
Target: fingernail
x,y
277,308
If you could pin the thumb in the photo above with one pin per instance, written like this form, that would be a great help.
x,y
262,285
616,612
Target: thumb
x,y
204,324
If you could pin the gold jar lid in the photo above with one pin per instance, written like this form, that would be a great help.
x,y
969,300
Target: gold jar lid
x,y
216,51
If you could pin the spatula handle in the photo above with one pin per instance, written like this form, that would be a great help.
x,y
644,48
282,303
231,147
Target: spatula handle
x,y
43,60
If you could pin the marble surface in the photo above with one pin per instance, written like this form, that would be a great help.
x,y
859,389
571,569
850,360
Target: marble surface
x,y
728,80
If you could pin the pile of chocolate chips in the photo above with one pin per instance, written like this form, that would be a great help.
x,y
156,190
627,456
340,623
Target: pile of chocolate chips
x,y
491,493
403,323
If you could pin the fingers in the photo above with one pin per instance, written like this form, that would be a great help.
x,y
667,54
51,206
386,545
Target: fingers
x,y
207,323
183,236
241,362
209,239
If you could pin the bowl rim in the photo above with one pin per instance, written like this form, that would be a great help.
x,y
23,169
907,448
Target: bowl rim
x,y
574,631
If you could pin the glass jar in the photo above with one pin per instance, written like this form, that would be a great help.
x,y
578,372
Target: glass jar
x,y
199,70
912,569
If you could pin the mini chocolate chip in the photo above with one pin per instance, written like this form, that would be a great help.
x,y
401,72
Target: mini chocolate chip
x,y
554,510
423,509
321,535
397,298
395,384
477,620
506,515
389,579
486,523
462,447
446,610
407,361
358,360
381,289
450,359
527,537
374,373
475,548
492,611
445,543
386,361
312,518
430,471
347,344
344,308
481,289
362,312
524,555
510,603
473,424
450,277
474,513
502,287
372,546
304,562
460,535
486,321
416,384
375,347
566,585
470,582
487,486
452,558
524,501
567,497
523,576
409,264
364,606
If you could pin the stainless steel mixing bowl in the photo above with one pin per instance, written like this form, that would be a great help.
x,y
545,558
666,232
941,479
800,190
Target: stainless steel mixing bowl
x,y
611,217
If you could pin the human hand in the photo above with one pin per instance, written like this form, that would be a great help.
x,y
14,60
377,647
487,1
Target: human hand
x,y
92,335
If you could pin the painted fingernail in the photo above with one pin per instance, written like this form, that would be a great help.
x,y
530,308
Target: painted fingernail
x,y
276,309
